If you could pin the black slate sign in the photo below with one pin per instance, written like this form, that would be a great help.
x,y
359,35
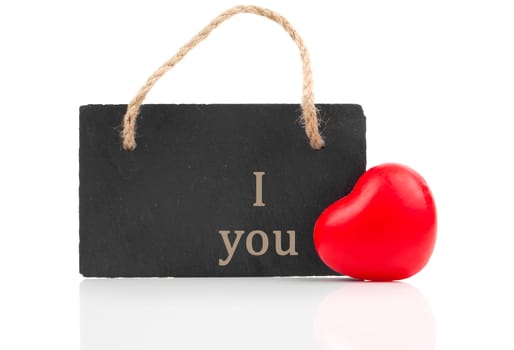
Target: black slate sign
x,y
211,190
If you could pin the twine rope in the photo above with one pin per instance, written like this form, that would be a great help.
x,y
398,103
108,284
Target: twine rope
x,y
309,111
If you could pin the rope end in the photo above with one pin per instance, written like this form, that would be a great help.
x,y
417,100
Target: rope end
x,y
317,143
129,145
128,136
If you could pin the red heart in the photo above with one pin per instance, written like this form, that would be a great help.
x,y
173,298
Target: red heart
x,y
384,230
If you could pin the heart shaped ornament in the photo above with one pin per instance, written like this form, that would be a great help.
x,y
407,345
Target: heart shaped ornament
x,y
384,230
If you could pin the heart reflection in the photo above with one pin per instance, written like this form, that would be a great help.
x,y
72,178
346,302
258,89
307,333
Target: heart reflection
x,y
375,316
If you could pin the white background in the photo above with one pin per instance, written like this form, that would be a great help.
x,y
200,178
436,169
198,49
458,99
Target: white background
x,y
436,81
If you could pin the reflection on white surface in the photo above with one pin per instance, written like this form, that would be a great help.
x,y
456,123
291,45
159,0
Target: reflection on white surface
x,y
253,314
375,316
